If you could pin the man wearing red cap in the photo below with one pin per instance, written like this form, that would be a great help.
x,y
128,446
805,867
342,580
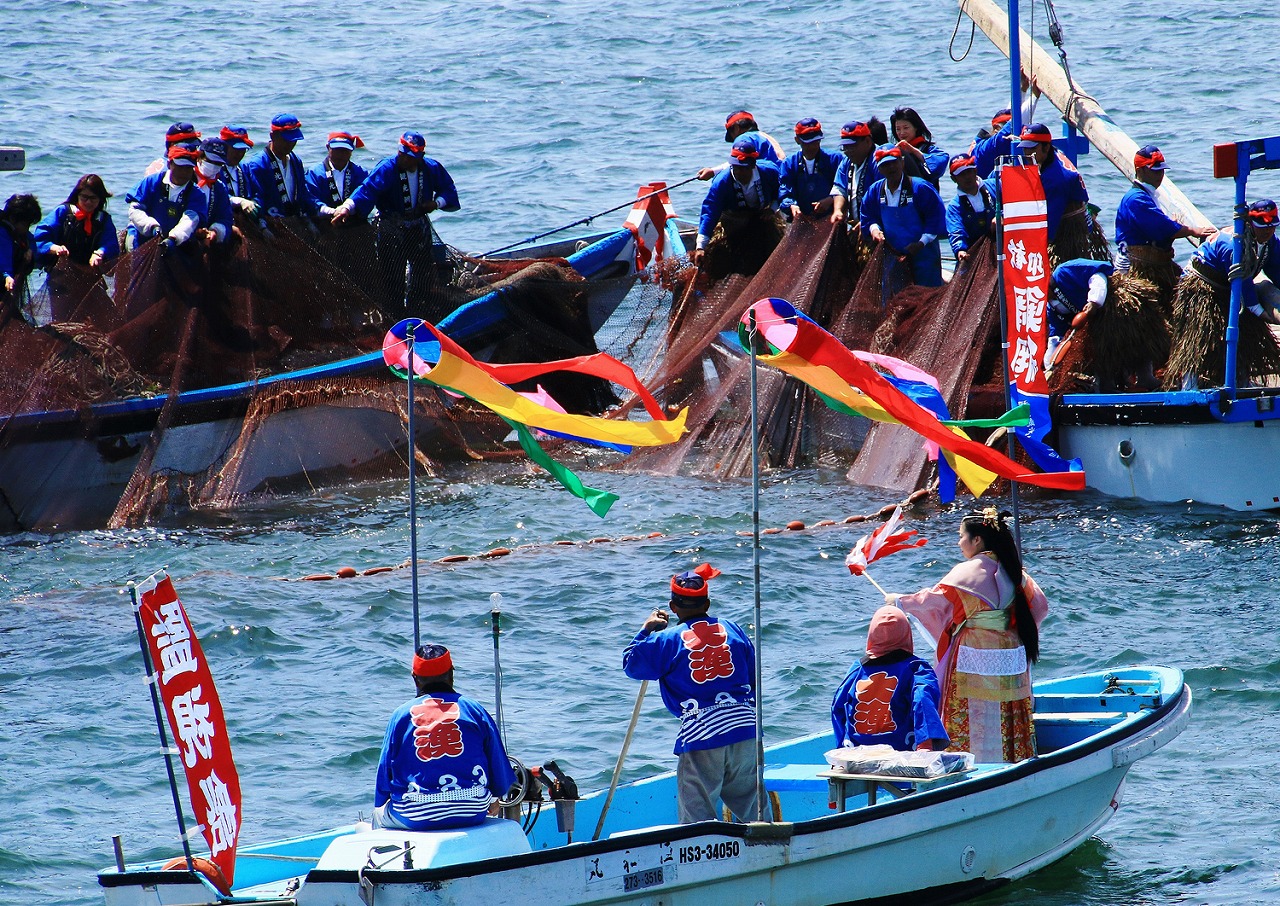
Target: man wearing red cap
x,y
332,181
743,202
742,125
857,171
807,176
971,214
1141,225
1064,191
442,764
705,667
1203,299
905,213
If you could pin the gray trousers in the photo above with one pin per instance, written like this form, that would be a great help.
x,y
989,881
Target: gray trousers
x,y
709,775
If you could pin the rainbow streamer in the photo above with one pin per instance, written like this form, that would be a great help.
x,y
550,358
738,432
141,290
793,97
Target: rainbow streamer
x,y
804,350
442,362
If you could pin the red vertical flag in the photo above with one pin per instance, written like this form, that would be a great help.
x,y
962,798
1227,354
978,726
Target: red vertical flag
x,y
1026,277
194,713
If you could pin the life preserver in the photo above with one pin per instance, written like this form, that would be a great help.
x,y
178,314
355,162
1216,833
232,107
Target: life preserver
x,y
212,873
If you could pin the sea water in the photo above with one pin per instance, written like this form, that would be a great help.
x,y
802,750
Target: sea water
x,y
545,114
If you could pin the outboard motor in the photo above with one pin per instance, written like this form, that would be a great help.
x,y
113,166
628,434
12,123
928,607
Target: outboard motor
x,y
563,791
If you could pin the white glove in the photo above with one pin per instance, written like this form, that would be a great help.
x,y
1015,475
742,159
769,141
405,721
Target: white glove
x,y
185,228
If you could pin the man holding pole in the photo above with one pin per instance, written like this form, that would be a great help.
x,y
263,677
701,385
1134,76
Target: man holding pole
x,y
443,763
705,667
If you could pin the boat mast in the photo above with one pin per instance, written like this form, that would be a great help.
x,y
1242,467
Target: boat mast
x,y
755,567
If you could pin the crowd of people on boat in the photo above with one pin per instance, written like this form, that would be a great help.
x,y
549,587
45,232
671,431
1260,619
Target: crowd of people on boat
x,y
187,199
889,187
443,764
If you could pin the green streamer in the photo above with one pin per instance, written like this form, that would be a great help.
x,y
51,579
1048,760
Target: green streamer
x,y
598,501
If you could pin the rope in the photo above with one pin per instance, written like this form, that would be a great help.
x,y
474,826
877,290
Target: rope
x,y
955,31
586,220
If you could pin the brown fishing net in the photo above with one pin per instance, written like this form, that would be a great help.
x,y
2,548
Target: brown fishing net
x,y
158,324
1199,329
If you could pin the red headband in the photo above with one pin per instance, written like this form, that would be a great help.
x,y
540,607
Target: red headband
x,y
1266,217
415,148
1141,160
706,572
862,130
436,666
1000,119
808,130
743,157
1029,136
287,127
347,137
961,163
182,137
228,136
740,117
178,151
882,153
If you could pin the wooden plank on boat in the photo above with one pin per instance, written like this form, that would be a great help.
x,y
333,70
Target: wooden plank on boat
x,y
1085,113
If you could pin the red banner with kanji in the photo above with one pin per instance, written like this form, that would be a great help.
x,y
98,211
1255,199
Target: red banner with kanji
x,y
190,702
1026,277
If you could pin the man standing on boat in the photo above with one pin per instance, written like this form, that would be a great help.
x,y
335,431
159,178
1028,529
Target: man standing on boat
x,y
705,667
971,214
743,202
856,174
333,180
905,213
807,176
407,188
442,764
277,176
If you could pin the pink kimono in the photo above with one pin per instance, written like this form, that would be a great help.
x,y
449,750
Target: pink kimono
x,y
986,681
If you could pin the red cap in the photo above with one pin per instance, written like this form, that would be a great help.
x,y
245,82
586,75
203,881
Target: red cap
x,y
436,662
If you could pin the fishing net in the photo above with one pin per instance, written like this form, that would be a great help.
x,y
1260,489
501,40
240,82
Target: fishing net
x,y
158,324
1199,330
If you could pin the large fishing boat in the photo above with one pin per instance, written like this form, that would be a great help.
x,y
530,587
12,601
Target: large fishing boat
x,y
835,838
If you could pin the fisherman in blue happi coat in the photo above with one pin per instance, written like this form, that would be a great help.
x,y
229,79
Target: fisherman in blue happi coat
x,y
705,668
971,214
177,134
1203,299
906,213
178,204
742,201
234,173
1078,285
742,125
890,697
806,177
407,188
277,178
443,764
333,180
857,171
1064,191
1140,223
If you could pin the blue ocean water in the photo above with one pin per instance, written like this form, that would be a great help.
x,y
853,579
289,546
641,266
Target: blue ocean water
x,y
547,113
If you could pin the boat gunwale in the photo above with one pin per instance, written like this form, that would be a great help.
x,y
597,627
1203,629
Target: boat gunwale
x,y
758,834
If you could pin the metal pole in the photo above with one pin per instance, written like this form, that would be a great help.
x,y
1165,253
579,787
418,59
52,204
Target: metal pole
x,y
152,679
755,568
495,602
1237,259
1004,349
1015,70
413,492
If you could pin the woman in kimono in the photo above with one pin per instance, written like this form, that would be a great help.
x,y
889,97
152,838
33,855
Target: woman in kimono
x,y
985,614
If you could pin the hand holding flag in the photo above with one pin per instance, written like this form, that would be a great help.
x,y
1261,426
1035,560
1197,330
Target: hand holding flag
x,y
882,542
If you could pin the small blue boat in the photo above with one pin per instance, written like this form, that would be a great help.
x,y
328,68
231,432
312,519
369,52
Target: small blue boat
x,y
834,838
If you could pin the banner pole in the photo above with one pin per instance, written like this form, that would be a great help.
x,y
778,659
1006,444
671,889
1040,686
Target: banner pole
x,y
1001,289
152,680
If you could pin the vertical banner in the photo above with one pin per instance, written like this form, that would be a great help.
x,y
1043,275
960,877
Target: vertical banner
x,y
190,702
1026,280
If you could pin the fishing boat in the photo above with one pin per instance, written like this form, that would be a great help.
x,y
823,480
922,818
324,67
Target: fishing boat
x,y
835,838
1214,445
68,469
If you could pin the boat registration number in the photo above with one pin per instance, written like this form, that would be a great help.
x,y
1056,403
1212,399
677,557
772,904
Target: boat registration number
x,y
639,880
710,852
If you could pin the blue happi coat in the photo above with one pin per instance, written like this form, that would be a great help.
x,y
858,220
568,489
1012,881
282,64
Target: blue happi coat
x,y
706,671
726,194
890,700
60,227
866,175
965,225
266,191
384,189
322,188
1214,257
1070,291
442,763
1139,221
797,186
1062,187
211,205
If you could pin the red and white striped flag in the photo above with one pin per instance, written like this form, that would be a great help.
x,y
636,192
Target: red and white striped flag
x,y
882,542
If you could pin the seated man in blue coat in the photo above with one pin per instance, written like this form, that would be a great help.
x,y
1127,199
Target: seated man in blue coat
x,y
907,215
277,177
807,176
443,764
406,189
742,201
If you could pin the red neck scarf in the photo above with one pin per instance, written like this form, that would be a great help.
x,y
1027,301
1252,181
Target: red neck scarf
x,y
84,217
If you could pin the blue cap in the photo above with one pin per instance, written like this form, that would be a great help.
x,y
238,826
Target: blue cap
x,y
236,137
286,126
743,153
413,144
1262,213
1150,157
808,130
214,150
